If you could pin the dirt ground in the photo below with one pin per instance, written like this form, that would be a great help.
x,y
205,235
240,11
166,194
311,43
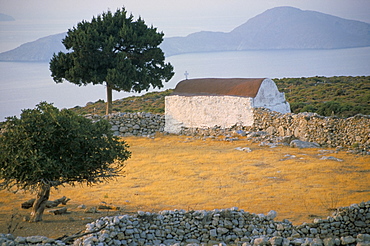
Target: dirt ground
x,y
52,226
172,172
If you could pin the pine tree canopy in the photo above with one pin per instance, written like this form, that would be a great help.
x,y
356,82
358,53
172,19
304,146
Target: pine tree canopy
x,y
114,49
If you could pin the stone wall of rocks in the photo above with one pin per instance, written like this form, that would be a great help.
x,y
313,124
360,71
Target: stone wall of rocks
x,y
311,127
347,226
133,124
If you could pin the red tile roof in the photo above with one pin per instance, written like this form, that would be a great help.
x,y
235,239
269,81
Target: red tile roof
x,y
245,87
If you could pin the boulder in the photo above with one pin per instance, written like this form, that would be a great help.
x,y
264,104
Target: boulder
x,y
330,158
347,240
303,144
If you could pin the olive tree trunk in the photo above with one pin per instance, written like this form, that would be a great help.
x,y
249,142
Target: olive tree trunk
x,y
38,207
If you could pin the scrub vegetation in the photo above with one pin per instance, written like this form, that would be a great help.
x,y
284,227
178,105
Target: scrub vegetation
x,y
342,96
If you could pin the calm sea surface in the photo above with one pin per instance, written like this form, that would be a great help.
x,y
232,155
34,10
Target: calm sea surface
x,y
23,85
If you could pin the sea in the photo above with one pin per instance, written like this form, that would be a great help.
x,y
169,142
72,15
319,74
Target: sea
x,y
25,84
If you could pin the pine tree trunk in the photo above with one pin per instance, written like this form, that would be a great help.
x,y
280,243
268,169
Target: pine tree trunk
x,y
38,207
108,109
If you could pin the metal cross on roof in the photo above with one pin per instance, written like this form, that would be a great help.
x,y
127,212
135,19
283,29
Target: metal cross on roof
x,y
186,75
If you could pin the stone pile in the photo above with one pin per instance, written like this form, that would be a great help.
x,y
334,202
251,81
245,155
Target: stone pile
x,y
347,226
133,124
10,240
215,131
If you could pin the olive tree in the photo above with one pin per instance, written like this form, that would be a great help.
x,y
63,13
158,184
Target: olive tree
x,y
114,50
47,147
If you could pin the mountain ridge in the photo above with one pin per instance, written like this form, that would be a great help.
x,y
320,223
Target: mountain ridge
x,y
40,50
276,28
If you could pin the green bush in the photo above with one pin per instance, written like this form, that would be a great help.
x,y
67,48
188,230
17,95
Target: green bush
x,y
47,147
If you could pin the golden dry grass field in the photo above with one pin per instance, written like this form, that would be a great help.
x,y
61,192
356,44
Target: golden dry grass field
x,y
179,172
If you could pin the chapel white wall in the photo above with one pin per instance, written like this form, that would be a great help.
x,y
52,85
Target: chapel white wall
x,y
206,111
268,96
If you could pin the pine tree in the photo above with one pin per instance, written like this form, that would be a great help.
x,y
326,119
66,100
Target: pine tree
x,y
115,50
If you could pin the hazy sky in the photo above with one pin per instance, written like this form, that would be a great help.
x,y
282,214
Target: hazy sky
x,y
174,18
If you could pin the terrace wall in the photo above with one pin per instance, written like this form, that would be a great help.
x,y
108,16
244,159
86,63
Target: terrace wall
x,y
347,226
311,127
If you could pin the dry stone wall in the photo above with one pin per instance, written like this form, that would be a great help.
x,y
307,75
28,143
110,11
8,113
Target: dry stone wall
x,y
311,127
326,131
347,226
133,124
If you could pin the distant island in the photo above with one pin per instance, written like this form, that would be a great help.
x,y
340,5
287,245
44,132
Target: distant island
x,y
4,17
40,50
275,29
